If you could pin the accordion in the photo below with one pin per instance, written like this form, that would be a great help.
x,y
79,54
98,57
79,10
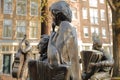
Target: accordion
x,y
90,56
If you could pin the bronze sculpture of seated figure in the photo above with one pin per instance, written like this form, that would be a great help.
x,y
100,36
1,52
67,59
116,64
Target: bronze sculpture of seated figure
x,y
41,69
101,67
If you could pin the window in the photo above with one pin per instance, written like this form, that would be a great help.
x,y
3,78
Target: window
x,y
93,3
103,32
86,34
101,1
7,28
7,6
95,33
84,11
15,48
95,30
21,8
94,16
34,7
86,47
107,49
6,63
74,13
6,48
33,29
21,28
102,12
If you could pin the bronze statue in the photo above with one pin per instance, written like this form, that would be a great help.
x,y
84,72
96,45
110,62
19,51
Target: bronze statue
x,y
99,64
59,51
41,69
62,46
20,68
42,47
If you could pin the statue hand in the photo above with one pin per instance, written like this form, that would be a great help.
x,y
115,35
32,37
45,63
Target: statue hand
x,y
98,64
91,65
50,66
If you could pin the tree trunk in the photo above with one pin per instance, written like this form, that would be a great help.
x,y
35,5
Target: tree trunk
x,y
116,42
115,7
44,13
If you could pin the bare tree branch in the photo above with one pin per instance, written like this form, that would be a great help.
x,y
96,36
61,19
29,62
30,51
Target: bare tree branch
x,y
111,5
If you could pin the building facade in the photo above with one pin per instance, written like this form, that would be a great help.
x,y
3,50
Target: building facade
x,y
17,18
94,20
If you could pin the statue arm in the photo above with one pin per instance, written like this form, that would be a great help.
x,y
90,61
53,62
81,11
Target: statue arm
x,y
28,47
106,62
70,48
26,50
20,44
103,64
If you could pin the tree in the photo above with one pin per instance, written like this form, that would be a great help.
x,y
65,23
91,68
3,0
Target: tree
x,y
115,7
44,17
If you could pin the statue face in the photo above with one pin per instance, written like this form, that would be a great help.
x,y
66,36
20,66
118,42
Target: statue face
x,y
97,46
43,44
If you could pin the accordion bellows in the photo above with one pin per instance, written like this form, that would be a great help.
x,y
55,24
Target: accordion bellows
x,y
90,56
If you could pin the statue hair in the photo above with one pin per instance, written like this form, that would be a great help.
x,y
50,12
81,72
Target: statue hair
x,y
61,10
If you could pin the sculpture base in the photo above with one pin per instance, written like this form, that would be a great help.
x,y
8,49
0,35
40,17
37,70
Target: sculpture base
x,y
39,70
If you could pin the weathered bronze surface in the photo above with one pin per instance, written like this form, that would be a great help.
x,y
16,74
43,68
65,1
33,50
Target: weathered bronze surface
x,y
62,46
40,70
42,47
20,68
59,51
97,63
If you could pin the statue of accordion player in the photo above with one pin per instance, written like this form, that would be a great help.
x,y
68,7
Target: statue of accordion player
x,y
96,63
87,57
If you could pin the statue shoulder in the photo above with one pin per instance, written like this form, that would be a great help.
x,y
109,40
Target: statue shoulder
x,y
65,25
107,55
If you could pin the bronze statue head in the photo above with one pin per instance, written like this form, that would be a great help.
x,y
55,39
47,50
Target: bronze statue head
x,y
27,43
97,45
61,12
42,46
